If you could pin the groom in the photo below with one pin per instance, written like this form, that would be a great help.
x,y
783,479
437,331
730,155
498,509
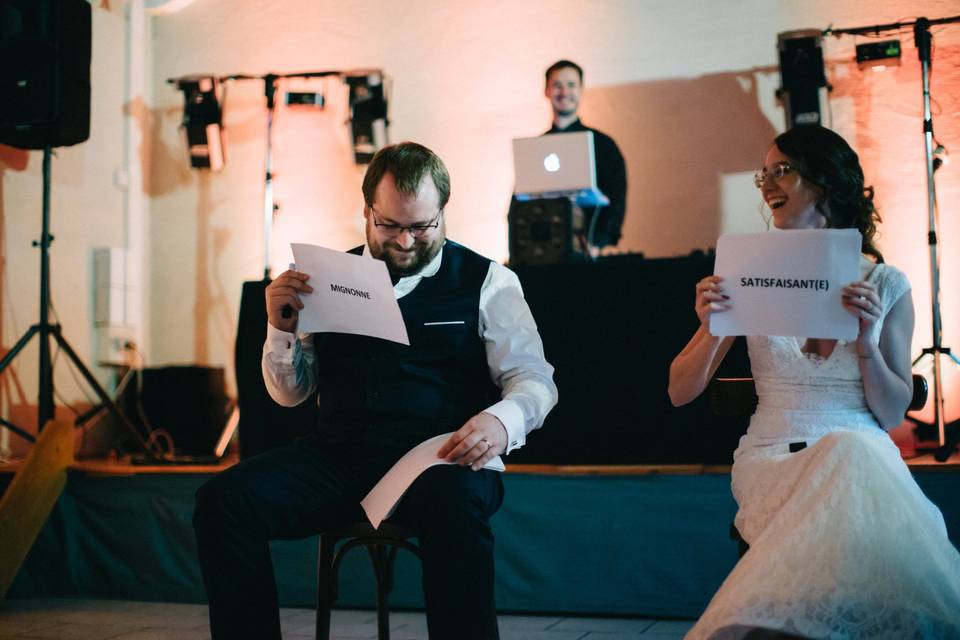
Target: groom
x,y
475,366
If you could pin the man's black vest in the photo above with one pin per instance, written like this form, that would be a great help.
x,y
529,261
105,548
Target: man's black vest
x,y
401,394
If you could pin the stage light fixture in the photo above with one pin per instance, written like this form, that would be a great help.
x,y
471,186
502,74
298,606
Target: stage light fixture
x,y
368,114
878,55
312,99
202,121
801,75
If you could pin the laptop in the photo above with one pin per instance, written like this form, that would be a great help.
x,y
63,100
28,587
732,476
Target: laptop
x,y
557,165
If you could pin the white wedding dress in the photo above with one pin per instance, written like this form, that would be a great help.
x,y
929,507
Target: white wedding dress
x,y
843,543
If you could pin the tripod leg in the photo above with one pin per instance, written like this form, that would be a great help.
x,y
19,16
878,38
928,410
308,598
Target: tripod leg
x,y
942,454
17,430
951,442
7,360
17,348
105,399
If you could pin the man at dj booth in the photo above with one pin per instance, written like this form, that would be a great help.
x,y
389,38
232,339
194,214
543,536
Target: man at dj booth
x,y
564,86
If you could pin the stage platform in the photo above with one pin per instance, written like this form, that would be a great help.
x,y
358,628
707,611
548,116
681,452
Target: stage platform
x,y
633,540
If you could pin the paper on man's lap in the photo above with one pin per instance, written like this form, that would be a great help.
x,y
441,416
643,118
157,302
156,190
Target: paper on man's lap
x,y
383,498
788,283
351,294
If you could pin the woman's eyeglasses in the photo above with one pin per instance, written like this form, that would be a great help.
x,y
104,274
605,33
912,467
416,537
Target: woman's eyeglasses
x,y
777,173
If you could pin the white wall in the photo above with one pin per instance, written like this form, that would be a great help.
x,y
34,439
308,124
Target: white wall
x,y
686,88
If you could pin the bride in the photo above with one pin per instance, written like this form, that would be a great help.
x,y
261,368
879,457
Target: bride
x,y
843,543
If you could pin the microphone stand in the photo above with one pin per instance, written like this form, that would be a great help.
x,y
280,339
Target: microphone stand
x,y
947,435
269,206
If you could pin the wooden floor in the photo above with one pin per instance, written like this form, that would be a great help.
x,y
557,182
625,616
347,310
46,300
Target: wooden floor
x,y
123,620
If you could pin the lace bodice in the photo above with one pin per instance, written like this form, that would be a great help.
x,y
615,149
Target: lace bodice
x,y
795,388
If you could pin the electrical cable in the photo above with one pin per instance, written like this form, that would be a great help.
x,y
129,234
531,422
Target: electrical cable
x,y
156,433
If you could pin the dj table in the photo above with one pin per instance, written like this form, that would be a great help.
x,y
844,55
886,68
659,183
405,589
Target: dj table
x,y
611,328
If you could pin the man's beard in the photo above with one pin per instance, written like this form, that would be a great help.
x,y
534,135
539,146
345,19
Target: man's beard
x,y
423,252
566,111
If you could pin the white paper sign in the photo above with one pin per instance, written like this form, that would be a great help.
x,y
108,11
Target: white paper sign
x,y
380,502
788,283
351,294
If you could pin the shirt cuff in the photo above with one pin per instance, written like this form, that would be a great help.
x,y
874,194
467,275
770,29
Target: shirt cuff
x,y
282,344
510,415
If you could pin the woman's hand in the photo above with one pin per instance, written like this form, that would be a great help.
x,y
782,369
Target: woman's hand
x,y
861,299
710,299
693,367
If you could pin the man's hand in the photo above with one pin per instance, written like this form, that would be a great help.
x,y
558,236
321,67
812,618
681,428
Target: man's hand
x,y
482,438
285,292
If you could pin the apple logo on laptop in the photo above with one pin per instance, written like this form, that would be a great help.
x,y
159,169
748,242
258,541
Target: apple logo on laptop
x,y
552,163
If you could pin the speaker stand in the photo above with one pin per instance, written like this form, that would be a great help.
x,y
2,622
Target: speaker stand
x,y
45,331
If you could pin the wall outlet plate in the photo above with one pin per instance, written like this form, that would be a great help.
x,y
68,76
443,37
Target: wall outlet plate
x,y
114,346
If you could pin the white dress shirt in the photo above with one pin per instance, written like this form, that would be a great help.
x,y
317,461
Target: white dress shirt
x,y
513,346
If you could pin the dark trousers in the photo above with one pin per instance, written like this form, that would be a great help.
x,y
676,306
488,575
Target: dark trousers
x,y
308,487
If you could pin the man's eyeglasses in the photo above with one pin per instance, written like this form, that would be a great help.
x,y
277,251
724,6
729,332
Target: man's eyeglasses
x,y
416,230
777,173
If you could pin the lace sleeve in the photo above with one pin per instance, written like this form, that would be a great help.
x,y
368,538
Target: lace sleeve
x,y
891,284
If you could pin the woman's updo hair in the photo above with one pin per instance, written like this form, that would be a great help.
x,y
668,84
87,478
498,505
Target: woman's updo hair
x,y
824,159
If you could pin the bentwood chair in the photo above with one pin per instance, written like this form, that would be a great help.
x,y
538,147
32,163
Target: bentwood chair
x,y
382,544
738,397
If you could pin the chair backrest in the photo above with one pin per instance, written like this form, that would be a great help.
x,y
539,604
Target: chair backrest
x,y
920,390
738,396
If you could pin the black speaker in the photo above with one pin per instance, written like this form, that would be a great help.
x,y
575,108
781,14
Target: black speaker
x,y
44,72
542,231
801,75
